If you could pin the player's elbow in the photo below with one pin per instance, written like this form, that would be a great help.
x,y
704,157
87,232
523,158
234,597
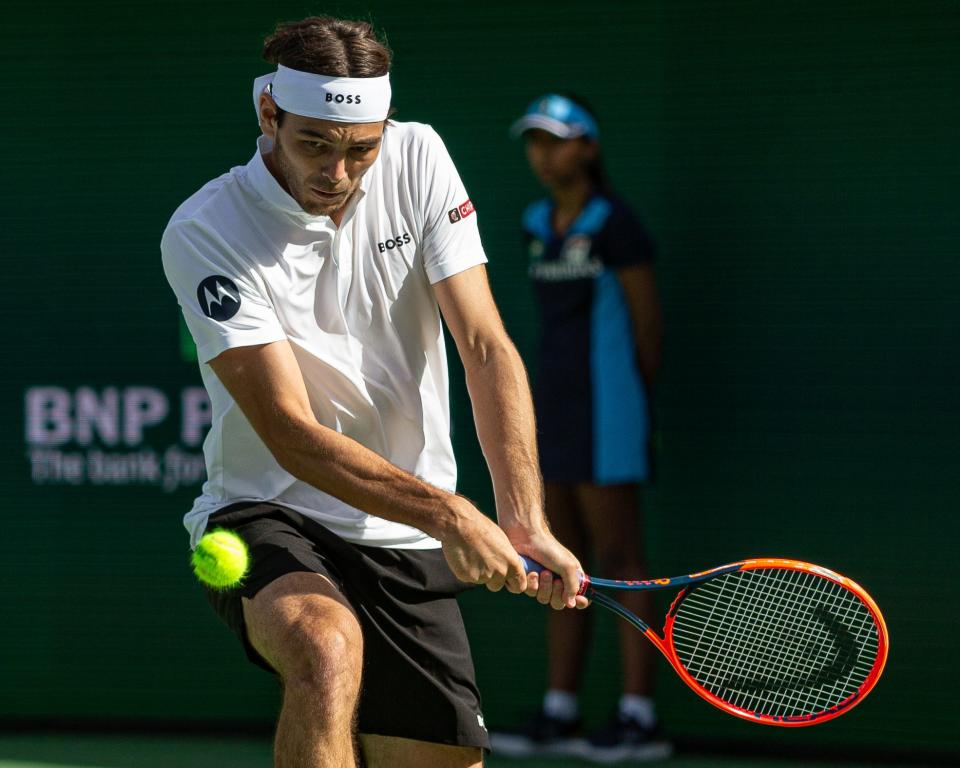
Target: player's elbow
x,y
484,351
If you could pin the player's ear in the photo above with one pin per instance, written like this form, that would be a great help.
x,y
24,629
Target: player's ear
x,y
268,116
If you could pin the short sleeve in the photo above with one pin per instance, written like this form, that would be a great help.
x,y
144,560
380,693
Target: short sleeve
x,y
628,241
223,304
451,238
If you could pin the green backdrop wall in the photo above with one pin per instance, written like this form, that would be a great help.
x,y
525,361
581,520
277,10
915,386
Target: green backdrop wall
x,y
798,165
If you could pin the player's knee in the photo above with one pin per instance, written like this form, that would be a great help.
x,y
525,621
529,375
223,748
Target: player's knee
x,y
322,671
312,640
324,652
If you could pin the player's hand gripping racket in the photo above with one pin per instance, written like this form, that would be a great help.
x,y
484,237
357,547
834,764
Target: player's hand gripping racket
x,y
773,641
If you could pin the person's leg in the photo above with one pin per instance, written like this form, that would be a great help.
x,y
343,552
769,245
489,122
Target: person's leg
x,y
304,628
567,631
420,705
611,512
552,728
394,752
395,622
613,516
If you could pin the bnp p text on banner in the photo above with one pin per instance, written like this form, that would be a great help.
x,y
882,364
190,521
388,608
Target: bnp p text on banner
x,y
116,436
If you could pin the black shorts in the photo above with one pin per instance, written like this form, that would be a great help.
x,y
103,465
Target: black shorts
x,y
418,677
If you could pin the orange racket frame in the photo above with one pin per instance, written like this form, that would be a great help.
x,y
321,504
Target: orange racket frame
x,y
667,647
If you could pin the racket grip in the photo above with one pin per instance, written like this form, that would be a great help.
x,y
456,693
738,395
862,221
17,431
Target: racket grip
x,y
532,566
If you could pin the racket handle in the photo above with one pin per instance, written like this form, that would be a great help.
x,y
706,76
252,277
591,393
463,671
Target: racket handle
x,y
532,566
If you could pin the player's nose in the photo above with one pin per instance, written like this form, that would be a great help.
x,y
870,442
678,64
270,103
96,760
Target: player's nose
x,y
336,169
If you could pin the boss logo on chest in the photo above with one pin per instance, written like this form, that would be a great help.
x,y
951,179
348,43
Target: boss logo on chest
x,y
397,241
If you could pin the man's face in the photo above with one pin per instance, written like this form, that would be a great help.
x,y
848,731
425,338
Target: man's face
x,y
320,162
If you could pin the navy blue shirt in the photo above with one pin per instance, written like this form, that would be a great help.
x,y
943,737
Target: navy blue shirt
x,y
591,405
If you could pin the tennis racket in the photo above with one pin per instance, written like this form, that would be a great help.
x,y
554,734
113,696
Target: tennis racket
x,y
780,642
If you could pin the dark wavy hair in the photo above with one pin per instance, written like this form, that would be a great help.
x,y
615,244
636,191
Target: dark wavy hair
x,y
324,45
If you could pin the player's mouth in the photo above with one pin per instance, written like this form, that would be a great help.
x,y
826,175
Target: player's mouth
x,y
328,196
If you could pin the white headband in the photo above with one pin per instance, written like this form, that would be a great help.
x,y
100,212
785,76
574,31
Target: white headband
x,y
343,99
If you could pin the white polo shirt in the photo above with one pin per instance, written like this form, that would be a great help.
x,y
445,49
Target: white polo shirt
x,y
250,266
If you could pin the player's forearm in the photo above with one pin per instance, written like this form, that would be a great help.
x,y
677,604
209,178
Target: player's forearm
x,y
506,428
347,470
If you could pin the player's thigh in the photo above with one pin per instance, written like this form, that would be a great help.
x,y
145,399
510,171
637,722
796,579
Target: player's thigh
x,y
394,752
563,512
300,622
612,516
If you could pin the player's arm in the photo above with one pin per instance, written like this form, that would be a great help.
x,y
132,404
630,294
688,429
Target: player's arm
x,y
640,290
266,383
503,412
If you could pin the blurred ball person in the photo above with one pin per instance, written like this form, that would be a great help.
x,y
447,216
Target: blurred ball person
x,y
591,262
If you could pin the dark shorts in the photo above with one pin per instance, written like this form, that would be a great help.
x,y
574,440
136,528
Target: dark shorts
x,y
418,677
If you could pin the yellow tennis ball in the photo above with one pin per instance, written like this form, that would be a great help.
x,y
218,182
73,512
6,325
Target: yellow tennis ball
x,y
220,559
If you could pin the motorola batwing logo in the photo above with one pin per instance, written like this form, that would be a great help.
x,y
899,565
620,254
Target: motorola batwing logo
x,y
219,297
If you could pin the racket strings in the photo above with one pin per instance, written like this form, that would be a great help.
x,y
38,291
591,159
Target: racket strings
x,y
787,691
814,671
736,676
777,642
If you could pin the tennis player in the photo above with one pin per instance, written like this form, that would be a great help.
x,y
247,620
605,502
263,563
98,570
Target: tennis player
x,y
313,280
590,259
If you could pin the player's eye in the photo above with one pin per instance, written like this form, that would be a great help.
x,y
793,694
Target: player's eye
x,y
364,150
